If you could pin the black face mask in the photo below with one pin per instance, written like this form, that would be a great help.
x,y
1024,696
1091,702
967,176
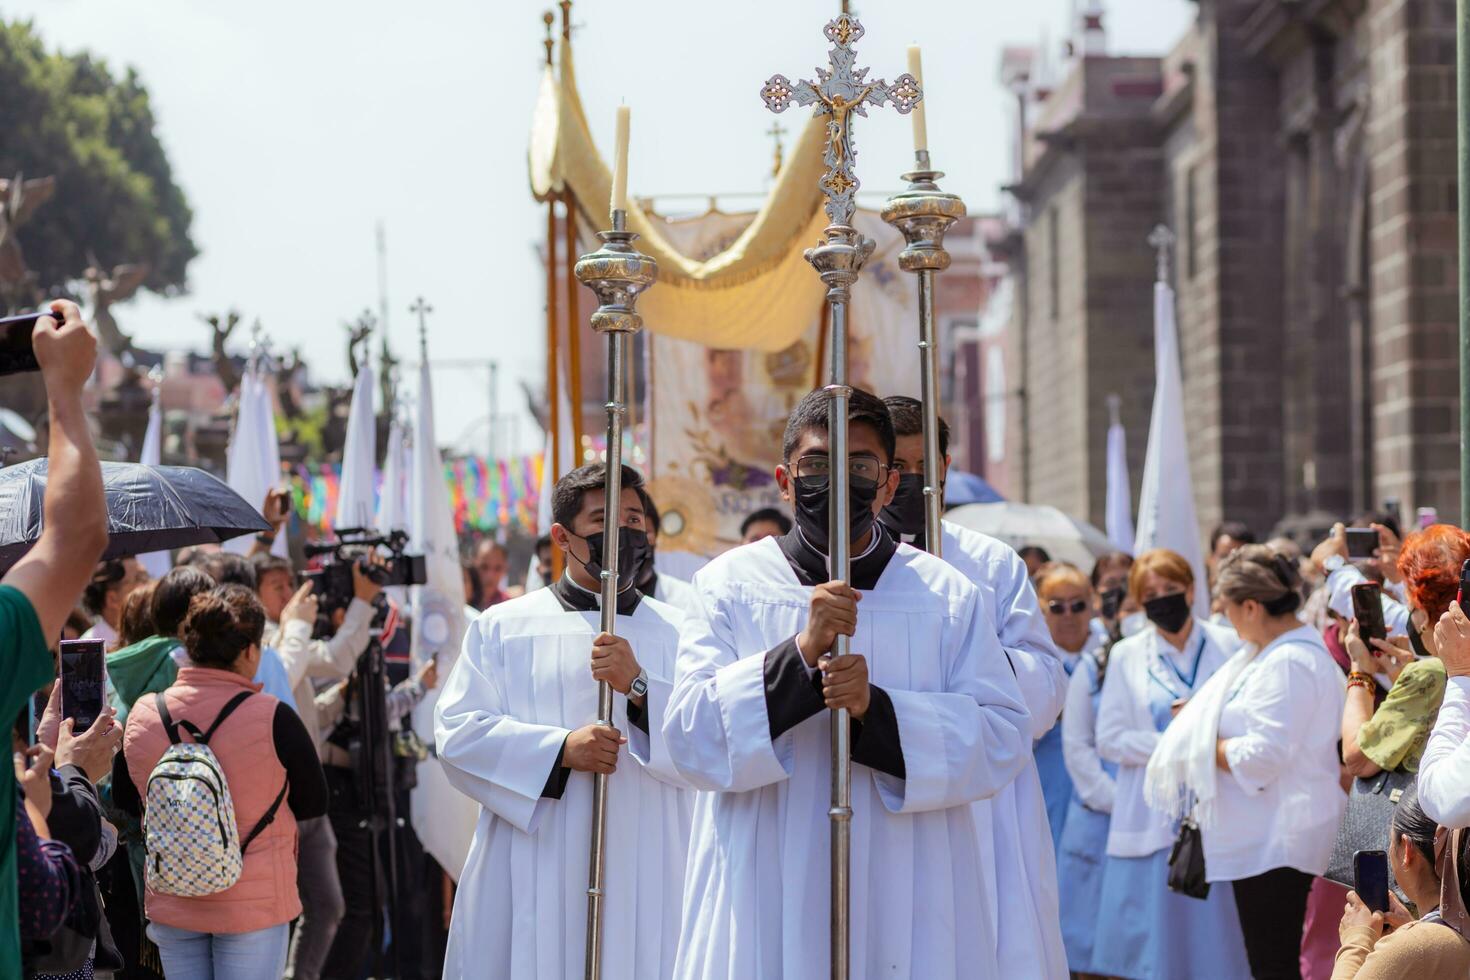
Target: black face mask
x,y
811,496
1112,602
633,551
905,513
646,574
1168,612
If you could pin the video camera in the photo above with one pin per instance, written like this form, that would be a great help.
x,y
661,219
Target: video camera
x,y
332,583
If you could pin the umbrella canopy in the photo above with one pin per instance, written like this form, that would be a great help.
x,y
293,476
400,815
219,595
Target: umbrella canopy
x,y
149,508
1064,538
962,488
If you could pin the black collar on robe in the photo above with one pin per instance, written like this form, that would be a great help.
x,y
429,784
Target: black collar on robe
x,y
574,598
810,565
917,540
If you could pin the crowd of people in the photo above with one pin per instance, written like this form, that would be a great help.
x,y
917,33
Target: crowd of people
x,y
1057,770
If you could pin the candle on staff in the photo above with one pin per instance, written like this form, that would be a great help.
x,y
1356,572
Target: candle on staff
x,y
921,126
620,162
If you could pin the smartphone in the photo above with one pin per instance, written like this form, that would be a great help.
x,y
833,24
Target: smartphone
x,y
1362,542
1368,611
1463,598
81,681
17,352
1370,879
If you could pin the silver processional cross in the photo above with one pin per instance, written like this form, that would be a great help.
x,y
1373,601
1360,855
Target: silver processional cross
x,y
840,92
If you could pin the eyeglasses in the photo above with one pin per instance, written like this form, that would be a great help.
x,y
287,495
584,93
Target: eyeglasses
x,y
862,467
1057,608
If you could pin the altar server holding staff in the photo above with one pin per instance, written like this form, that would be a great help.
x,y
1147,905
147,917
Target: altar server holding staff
x,y
938,723
515,731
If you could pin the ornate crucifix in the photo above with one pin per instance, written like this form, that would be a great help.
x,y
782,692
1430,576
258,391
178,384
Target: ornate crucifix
x,y
838,94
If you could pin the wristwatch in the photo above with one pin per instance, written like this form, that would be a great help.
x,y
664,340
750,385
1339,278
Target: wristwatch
x,y
639,687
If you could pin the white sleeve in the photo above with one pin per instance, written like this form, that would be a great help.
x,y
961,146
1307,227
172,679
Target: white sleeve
x,y
717,730
1079,742
1040,673
1119,738
649,749
1278,704
498,761
292,644
1444,769
338,656
967,742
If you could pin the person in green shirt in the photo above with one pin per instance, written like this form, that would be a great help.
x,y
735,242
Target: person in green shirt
x,y
42,588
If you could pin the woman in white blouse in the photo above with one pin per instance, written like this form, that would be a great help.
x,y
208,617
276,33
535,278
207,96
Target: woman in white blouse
x,y
1146,931
1254,759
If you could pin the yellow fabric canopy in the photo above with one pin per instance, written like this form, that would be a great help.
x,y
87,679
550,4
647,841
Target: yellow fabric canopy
x,y
758,294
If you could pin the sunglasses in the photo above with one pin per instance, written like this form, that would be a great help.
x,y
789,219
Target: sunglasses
x,y
1057,608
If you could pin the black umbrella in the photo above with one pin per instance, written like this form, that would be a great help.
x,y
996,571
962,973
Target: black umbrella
x,y
149,508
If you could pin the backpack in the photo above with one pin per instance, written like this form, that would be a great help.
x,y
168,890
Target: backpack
x,y
192,843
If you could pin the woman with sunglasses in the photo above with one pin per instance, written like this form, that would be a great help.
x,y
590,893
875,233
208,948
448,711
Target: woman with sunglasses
x,y
1066,603
1145,931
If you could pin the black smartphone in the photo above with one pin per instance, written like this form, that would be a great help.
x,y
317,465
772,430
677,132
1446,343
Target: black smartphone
x,y
1463,598
1362,542
1368,611
17,352
81,681
1370,879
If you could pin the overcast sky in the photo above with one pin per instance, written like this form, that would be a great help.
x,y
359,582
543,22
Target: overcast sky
x,y
295,126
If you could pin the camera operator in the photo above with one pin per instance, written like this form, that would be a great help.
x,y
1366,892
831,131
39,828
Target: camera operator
x,y
291,615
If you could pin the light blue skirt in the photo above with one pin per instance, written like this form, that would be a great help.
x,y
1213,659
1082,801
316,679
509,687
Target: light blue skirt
x,y
1146,932
1056,782
1080,861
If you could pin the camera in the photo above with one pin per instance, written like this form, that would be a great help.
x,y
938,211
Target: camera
x,y
332,583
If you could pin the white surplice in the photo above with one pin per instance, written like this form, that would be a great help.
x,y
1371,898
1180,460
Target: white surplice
x,y
756,892
1022,878
521,685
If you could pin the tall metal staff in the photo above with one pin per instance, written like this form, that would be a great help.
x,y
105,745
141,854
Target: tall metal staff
x,y
923,213
617,273
840,92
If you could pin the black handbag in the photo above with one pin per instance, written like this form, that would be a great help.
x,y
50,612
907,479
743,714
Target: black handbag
x,y
1187,862
1364,824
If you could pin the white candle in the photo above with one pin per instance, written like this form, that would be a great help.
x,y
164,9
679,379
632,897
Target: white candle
x,y
921,126
620,162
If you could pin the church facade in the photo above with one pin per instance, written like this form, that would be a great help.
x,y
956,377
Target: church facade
x,y
1303,154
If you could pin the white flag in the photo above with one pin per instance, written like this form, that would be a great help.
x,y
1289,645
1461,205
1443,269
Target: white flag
x,y
1120,493
1166,515
253,459
355,494
157,562
443,817
393,500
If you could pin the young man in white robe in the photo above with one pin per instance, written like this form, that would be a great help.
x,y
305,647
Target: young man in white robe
x,y
938,722
515,730
1022,880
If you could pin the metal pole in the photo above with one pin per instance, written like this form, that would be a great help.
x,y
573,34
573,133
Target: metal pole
x,y
1462,135
923,213
617,273
839,559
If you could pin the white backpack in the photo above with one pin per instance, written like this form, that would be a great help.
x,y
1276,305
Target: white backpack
x,y
193,845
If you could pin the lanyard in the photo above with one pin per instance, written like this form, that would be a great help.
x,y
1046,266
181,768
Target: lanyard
x,y
1188,682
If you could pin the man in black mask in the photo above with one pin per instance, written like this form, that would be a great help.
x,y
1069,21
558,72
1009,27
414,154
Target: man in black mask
x,y
937,723
1027,926
515,729
664,588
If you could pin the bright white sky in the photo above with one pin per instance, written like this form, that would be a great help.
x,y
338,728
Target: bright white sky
x,y
295,126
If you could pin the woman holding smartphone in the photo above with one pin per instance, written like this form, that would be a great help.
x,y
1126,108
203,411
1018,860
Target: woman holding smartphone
x,y
1145,931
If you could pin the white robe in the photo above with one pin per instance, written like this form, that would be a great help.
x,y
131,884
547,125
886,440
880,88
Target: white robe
x,y
756,893
677,593
522,683
1021,881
